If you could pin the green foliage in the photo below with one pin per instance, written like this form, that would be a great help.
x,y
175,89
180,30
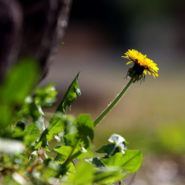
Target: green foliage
x,y
62,152
18,83
130,161
71,94
45,97
58,120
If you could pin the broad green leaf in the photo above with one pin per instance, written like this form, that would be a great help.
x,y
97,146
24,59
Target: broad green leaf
x,y
65,151
58,123
83,175
71,138
82,130
31,134
30,110
130,161
85,153
54,128
6,113
18,83
46,96
118,145
85,126
108,175
17,134
96,161
133,160
109,149
66,168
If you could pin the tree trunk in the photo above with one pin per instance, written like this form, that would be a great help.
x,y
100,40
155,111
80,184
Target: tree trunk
x,y
31,28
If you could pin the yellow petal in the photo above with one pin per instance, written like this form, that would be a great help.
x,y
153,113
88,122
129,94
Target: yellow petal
x,y
145,72
129,62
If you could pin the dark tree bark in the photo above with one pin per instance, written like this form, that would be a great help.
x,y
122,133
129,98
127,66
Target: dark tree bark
x,y
31,28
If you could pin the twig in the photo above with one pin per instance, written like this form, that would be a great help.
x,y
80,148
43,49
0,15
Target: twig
x,y
132,179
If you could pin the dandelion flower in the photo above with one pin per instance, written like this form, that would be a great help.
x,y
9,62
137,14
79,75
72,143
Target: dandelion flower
x,y
142,65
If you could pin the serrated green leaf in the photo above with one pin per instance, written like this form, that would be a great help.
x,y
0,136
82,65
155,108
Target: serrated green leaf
x,y
71,94
56,123
31,134
130,161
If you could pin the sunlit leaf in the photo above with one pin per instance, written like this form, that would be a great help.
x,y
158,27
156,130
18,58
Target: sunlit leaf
x,y
64,152
130,161
31,134
83,175
56,127
80,132
71,94
70,139
45,96
58,123
85,126
108,175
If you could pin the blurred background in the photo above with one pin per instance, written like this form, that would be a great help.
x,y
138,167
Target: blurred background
x,y
151,115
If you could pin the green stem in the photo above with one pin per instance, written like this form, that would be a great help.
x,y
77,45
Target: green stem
x,y
71,153
113,103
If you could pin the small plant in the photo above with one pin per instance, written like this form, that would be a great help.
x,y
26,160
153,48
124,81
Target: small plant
x,y
62,152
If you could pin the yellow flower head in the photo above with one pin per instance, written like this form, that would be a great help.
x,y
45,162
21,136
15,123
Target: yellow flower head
x,y
142,65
